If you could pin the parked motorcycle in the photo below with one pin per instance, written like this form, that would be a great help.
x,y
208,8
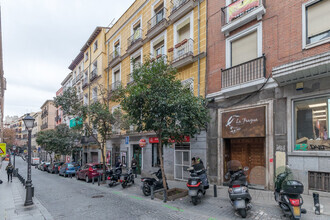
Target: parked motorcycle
x,y
148,182
114,176
195,185
127,178
238,191
288,195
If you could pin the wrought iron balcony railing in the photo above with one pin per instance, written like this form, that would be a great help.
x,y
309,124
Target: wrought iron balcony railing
x,y
115,54
136,36
183,49
176,4
93,75
85,82
157,18
244,72
115,85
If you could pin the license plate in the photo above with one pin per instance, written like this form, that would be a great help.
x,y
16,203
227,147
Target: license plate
x,y
296,211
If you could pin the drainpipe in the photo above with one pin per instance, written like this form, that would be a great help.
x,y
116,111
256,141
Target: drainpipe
x,y
199,71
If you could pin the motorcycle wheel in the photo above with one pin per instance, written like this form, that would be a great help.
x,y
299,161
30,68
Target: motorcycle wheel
x,y
194,200
242,212
124,184
111,184
146,189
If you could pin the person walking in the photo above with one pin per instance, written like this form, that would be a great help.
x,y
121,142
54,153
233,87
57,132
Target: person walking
x,y
134,165
10,170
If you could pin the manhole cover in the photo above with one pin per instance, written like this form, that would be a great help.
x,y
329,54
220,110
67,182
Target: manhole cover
x,y
98,196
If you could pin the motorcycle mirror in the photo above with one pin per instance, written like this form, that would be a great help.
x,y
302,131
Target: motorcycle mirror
x,y
190,169
246,169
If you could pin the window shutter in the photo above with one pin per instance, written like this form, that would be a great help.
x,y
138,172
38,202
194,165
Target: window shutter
x,y
244,49
184,32
318,18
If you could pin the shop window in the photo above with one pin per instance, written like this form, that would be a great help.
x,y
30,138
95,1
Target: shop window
x,y
316,21
155,156
312,124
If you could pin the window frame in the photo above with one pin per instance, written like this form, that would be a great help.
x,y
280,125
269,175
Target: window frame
x,y
306,45
257,27
86,56
95,45
134,56
114,70
152,42
180,21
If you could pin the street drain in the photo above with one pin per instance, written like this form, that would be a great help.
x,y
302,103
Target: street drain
x,y
98,196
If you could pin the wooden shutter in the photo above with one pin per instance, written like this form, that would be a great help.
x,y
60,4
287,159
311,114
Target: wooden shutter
x,y
318,18
244,49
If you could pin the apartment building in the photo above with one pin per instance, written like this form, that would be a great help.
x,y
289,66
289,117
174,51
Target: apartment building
x,y
153,28
59,113
36,149
267,83
77,68
2,86
48,112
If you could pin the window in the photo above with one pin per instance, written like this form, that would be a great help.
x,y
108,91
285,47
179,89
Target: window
x,y
155,156
94,71
116,111
312,124
316,21
94,94
137,32
189,84
159,11
95,45
116,78
116,48
244,49
86,56
86,99
244,46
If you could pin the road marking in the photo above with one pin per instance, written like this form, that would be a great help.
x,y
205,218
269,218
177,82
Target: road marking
x,y
117,192
173,208
211,218
136,197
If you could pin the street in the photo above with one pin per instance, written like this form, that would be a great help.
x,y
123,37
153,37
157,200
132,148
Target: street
x,y
67,198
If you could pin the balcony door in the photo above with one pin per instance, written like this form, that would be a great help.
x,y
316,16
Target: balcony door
x,y
244,49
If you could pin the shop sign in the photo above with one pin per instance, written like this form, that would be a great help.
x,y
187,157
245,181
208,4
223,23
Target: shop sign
x,y
240,7
244,123
155,140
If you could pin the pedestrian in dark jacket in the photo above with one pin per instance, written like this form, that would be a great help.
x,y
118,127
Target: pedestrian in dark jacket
x,y
134,166
10,170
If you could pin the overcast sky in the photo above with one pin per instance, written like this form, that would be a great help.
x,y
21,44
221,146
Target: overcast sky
x,y
40,39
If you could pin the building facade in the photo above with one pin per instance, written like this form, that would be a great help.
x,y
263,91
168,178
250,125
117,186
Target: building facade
x,y
48,112
35,148
261,64
154,28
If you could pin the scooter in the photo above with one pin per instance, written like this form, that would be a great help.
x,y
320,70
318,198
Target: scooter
x,y
288,195
195,185
114,176
148,182
127,178
238,191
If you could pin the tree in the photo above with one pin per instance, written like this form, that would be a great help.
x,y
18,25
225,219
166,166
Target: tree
x,y
97,118
47,140
157,101
9,136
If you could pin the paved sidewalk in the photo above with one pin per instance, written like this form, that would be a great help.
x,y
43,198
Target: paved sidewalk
x,y
12,197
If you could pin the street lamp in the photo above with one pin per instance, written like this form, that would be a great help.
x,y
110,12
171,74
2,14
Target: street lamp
x,y
29,122
14,149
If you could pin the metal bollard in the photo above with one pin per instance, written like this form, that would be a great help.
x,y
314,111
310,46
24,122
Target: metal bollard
x,y
165,196
316,203
152,193
93,180
32,188
98,180
71,175
215,190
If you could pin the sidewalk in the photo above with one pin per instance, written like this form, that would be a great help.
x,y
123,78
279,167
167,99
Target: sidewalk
x,y
12,197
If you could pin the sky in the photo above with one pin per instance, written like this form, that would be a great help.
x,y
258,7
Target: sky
x,y
40,38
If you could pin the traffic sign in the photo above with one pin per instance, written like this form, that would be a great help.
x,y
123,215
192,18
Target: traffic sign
x,y
2,149
127,140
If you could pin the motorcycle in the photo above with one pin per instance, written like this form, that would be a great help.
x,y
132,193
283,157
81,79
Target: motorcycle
x,y
238,190
148,182
195,185
128,178
288,195
114,176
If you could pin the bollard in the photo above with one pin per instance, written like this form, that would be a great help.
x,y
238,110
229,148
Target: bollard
x,y
316,203
152,193
165,196
215,190
32,188
93,180
98,180
71,175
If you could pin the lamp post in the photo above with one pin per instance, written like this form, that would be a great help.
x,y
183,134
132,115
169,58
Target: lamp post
x,y
29,122
14,149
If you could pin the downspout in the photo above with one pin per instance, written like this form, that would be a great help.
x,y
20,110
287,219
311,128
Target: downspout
x,y
199,61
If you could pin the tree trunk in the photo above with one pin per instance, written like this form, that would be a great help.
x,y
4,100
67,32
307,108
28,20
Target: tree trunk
x,y
104,162
160,152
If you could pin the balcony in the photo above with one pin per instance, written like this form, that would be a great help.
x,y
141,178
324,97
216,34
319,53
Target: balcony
x,y
93,75
85,83
114,58
157,23
44,126
243,73
180,8
44,114
237,14
115,85
77,79
182,54
135,41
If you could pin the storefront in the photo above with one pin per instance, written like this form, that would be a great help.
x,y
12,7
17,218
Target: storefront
x,y
246,137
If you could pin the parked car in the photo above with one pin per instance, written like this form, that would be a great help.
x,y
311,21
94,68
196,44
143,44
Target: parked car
x,y
40,166
53,168
90,171
45,166
67,169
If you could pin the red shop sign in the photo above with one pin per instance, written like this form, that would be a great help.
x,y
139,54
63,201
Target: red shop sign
x,y
154,140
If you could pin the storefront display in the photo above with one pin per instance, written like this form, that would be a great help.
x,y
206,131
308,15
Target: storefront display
x,y
312,124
